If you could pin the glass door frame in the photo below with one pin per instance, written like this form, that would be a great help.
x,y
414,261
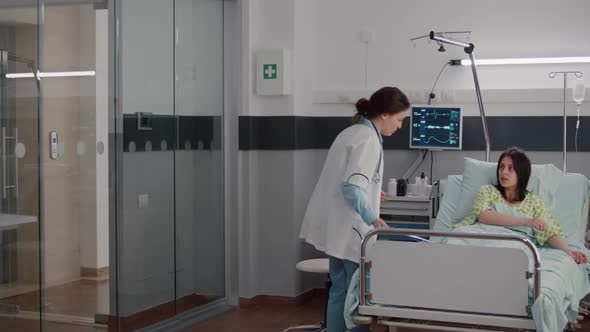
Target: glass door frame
x,y
116,148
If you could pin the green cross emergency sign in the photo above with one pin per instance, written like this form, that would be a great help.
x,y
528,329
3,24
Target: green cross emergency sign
x,y
270,71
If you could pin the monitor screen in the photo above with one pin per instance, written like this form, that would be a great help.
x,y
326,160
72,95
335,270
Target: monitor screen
x,y
436,128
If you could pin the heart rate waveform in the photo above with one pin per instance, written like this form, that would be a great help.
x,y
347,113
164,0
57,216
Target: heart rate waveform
x,y
434,138
435,127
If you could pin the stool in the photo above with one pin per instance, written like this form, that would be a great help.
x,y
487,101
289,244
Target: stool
x,y
318,265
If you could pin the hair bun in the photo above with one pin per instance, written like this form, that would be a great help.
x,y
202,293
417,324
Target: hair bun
x,y
363,106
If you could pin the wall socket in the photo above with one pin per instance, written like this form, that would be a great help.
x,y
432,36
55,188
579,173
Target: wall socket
x,y
367,36
144,201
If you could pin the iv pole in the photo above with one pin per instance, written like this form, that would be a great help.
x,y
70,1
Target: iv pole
x,y
553,74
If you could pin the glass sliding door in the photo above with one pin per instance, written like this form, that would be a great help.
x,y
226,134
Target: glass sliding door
x,y
145,233
78,252
74,58
53,171
170,235
19,167
200,263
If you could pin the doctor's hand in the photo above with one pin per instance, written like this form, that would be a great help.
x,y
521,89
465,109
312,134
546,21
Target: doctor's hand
x,y
379,223
383,196
537,224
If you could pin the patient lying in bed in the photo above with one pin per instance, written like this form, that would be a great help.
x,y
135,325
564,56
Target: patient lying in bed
x,y
509,204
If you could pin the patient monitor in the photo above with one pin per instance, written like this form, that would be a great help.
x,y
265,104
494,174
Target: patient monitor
x,y
436,128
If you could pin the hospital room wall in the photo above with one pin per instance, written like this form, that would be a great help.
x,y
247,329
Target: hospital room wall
x,y
276,208
275,184
500,29
268,229
335,52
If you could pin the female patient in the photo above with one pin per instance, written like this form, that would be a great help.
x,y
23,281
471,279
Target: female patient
x,y
513,172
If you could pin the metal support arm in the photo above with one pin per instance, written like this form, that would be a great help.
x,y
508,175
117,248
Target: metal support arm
x,y
468,48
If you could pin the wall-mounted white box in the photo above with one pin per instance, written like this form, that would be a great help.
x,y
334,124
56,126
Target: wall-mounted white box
x,y
272,71
144,201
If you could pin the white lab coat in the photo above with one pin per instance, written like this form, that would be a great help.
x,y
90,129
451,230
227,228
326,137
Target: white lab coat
x,y
330,224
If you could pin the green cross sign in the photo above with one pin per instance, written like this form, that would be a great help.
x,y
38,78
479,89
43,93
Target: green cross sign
x,y
270,71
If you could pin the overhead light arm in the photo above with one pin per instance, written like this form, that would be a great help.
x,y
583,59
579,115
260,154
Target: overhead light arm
x,y
468,48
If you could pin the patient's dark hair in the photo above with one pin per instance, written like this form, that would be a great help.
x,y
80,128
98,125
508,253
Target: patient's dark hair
x,y
522,167
385,100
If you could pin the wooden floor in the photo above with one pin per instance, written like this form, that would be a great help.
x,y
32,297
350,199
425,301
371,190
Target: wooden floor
x,y
269,316
82,298
33,325
275,317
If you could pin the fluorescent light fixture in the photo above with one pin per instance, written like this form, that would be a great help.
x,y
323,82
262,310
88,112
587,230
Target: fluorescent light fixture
x,y
54,74
523,61
20,75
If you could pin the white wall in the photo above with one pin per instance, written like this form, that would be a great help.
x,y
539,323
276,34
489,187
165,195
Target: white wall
x,y
529,29
500,29
329,60
270,25
102,118
94,244
87,124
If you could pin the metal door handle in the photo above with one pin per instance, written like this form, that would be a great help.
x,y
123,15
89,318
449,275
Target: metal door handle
x,y
4,162
15,165
5,185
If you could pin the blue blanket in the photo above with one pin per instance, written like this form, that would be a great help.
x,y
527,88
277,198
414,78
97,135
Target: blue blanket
x,y
563,282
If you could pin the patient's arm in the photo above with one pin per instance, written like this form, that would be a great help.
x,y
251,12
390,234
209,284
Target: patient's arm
x,y
558,242
496,218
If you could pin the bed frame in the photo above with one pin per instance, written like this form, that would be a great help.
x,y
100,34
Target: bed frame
x,y
441,286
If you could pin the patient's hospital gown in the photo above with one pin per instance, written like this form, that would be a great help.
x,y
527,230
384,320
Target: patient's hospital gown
x,y
532,207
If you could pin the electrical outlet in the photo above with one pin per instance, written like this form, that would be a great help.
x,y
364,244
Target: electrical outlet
x,y
144,201
367,36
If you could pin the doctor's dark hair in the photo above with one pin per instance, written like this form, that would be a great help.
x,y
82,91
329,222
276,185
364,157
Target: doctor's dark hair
x,y
522,167
389,100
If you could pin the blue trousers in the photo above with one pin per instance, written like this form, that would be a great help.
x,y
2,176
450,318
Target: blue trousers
x,y
341,271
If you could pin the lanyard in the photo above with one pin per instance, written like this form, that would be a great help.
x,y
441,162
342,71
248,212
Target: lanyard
x,y
377,176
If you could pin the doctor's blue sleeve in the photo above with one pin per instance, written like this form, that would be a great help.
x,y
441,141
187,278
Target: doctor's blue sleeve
x,y
356,198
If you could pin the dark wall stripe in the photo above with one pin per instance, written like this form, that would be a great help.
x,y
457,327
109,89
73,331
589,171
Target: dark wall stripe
x,y
194,132
532,133
193,129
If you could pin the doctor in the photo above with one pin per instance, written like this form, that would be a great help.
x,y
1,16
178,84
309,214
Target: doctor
x,y
345,203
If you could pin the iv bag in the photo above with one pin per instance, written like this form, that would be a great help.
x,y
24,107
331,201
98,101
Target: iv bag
x,y
578,91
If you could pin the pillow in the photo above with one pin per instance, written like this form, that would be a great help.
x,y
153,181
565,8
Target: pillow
x,y
476,173
448,204
571,207
544,181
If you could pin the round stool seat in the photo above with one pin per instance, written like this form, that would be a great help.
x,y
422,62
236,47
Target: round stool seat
x,y
317,265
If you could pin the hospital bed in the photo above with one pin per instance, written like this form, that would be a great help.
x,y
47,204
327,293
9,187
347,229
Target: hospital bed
x,y
480,280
